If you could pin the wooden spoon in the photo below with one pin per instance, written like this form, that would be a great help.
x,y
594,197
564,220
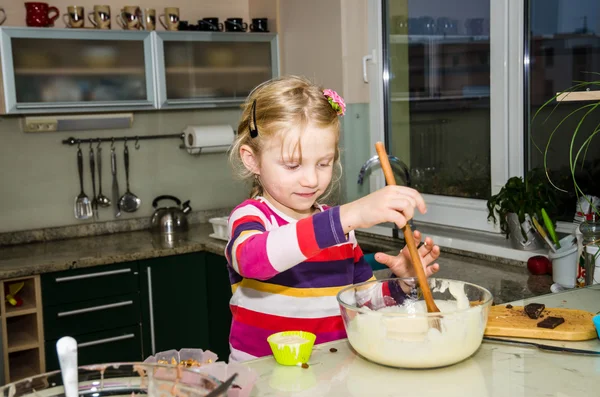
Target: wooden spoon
x,y
410,242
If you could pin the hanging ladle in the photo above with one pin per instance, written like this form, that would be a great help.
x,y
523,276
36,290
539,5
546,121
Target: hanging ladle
x,y
410,242
128,202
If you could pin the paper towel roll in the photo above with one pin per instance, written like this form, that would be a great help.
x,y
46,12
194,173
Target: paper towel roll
x,y
201,139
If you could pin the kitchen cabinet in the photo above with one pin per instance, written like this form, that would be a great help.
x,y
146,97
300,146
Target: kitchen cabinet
x,y
174,309
128,311
89,70
204,69
68,70
99,307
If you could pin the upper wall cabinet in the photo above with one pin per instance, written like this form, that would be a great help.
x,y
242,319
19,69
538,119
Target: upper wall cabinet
x,y
204,69
67,70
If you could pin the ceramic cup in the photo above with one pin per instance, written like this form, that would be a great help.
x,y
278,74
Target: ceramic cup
x,y
211,24
259,25
100,17
75,17
170,19
129,18
235,25
149,18
3,17
38,14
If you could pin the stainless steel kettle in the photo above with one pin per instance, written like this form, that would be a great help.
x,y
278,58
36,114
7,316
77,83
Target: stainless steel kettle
x,y
170,220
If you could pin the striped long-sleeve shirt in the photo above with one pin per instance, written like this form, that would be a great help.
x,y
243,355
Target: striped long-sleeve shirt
x,y
285,275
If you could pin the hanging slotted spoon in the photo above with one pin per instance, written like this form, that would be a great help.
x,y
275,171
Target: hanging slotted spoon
x,y
83,205
129,202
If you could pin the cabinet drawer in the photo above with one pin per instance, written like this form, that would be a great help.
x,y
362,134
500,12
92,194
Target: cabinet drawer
x,y
91,316
116,345
90,283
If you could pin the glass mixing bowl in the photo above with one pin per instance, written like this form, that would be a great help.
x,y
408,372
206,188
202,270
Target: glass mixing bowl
x,y
387,321
119,379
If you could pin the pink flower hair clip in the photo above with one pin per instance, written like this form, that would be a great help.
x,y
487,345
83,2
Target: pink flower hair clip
x,y
336,101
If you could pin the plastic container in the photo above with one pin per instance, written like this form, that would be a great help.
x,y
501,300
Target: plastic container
x,y
118,379
596,320
396,330
219,227
590,231
292,353
564,266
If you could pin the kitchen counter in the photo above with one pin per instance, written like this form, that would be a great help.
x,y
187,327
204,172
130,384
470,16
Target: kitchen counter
x,y
495,370
36,258
505,282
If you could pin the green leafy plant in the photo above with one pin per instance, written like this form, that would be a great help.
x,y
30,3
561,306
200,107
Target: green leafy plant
x,y
522,196
577,153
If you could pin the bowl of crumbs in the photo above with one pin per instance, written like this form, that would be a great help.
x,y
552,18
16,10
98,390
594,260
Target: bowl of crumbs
x,y
387,321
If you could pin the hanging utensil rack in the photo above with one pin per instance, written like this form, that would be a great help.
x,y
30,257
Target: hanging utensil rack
x,y
75,141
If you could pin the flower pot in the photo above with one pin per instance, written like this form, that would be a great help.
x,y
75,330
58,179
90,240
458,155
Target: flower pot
x,y
531,241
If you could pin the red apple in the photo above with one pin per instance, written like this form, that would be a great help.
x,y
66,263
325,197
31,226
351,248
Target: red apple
x,y
539,265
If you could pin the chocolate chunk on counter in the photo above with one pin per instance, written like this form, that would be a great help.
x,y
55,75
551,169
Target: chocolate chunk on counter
x,y
533,310
551,322
333,350
509,306
304,365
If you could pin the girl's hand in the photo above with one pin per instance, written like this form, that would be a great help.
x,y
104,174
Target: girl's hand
x,y
401,264
390,204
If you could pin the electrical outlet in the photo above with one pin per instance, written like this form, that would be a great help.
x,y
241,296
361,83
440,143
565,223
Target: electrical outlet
x,y
40,126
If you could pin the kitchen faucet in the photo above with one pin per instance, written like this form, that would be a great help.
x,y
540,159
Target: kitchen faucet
x,y
395,162
397,165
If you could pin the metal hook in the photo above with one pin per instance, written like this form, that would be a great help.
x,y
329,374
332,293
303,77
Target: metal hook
x,y
99,143
91,143
137,143
125,141
79,144
112,143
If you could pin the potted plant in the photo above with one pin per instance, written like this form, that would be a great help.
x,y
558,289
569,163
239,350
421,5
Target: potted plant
x,y
515,204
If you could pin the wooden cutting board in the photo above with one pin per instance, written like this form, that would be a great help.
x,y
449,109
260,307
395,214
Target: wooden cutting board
x,y
503,321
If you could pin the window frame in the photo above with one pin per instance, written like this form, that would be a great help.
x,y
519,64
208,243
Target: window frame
x,y
507,100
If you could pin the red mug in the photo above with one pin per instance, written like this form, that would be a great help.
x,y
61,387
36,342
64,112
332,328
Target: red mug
x,y
38,14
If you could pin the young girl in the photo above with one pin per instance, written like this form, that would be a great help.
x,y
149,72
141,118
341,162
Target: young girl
x,y
288,255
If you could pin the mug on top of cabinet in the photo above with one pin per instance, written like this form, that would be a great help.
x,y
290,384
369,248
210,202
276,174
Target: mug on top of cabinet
x,y
211,24
149,19
170,19
129,18
259,25
3,17
235,25
38,14
100,17
75,17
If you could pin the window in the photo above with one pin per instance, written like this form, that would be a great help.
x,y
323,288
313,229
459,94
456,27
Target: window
x,y
564,47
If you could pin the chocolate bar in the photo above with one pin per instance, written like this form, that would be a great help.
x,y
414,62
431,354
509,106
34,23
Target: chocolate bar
x,y
533,310
551,322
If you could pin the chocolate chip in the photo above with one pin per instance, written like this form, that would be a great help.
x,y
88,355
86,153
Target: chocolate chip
x,y
551,322
304,365
234,386
533,310
333,350
509,306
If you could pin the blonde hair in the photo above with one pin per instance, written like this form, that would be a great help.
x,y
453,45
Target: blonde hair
x,y
281,105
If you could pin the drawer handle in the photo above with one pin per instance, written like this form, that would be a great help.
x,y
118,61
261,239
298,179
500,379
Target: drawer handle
x,y
94,308
92,275
106,340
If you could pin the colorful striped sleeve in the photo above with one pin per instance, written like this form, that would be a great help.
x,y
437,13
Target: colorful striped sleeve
x,y
258,253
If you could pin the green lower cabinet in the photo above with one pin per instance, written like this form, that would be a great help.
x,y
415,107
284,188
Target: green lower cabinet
x,y
116,345
219,295
174,303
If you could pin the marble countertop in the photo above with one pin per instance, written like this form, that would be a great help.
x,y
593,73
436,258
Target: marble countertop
x,y
495,370
36,258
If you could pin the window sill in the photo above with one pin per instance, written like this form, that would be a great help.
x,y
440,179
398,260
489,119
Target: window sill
x,y
467,242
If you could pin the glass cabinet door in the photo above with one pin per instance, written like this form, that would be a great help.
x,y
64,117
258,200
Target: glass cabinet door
x,y
64,70
213,69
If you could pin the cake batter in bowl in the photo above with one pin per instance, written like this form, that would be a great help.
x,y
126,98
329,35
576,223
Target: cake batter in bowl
x,y
387,321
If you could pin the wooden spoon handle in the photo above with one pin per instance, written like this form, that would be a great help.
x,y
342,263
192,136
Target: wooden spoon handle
x,y
408,235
